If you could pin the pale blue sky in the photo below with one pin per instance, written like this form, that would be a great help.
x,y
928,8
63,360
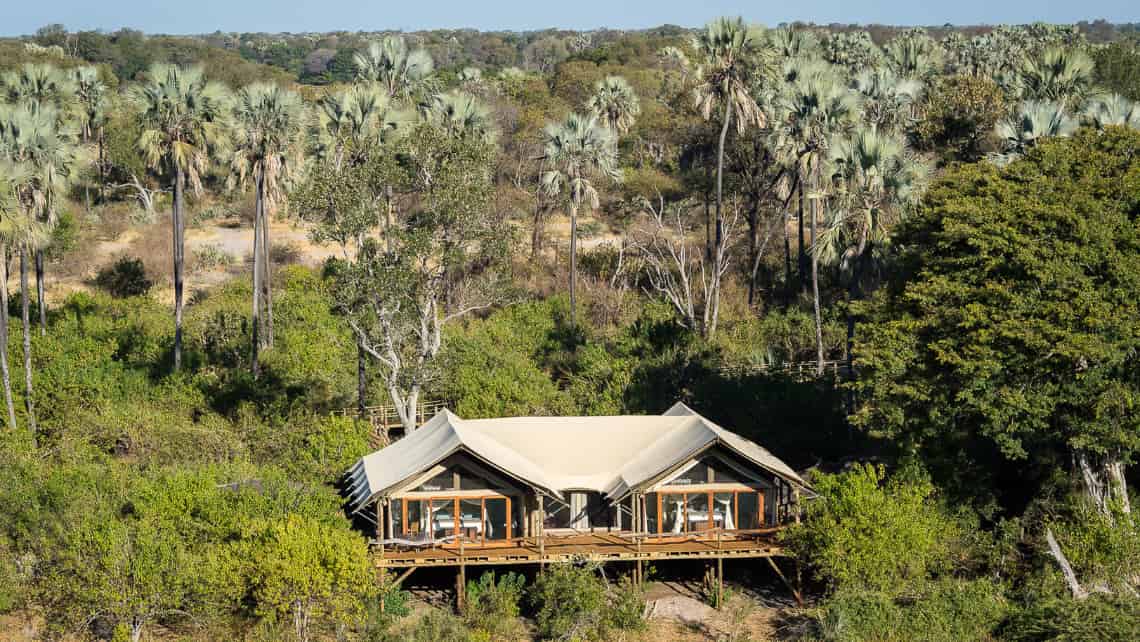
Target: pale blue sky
x,y
201,16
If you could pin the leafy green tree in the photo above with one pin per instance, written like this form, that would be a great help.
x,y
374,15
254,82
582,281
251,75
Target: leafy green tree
x,y
268,121
1004,338
865,532
308,570
959,114
437,263
182,117
578,149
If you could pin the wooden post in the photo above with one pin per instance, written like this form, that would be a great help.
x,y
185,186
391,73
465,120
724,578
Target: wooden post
x,y
461,579
796,503
719,582
380,526
640,568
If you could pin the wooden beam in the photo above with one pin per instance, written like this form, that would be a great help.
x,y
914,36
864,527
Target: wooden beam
x,y
795,593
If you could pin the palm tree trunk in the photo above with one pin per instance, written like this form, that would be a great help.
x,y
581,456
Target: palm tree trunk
x,y
255,324
719,231
815,286
176,234
25,316
573,263
803,242
102,168
266,269
5,374
41,303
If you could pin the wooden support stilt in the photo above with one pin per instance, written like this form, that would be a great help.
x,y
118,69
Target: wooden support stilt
x,y
795,593
720,582
461,579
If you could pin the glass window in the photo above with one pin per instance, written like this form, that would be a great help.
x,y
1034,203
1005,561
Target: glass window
x,y
722,474
748,511
470,481
697,474
495,521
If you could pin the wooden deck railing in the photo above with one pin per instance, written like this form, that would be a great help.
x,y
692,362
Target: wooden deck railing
x,y
798,370
383,420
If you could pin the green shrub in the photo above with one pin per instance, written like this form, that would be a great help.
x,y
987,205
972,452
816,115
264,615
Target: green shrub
x,y
570,602
493,606
865,532
124,278
949,611
625,609
1099,617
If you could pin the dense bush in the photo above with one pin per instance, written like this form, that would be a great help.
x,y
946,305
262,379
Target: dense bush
x,y
1100,617
573,602
946,611
126,277
493,606
867,532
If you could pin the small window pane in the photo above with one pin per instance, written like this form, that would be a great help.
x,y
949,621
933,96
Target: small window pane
x,y
748,507
698,474
495,525
417,519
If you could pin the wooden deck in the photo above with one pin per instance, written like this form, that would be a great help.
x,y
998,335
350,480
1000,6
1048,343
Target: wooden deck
x,y
602,547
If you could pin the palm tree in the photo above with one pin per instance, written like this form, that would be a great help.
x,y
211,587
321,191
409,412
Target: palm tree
x,y
91,94
1114,110
268,124
1064,75
397,69
615,102
578,149
346,121
37,137
817,108
888,99
1033,121
913,54
461,115
182,127
47,93
733,56
12,177
878,181
39,85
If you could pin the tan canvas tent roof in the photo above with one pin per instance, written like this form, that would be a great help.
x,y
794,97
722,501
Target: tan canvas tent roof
x,y
610,455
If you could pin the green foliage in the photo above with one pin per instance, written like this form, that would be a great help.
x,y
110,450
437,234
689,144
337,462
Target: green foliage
x,y
1118,68
572,602
569,602
959,114
126,277
865,532
307,569
947,611
1100,617
493,606
1008,325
